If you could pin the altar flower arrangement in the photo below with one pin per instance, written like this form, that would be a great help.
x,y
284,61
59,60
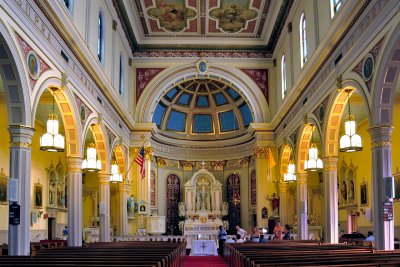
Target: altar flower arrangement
x,y
194,216
212,216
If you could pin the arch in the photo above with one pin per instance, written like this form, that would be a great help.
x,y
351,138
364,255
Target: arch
x,y
287,151
14,75
304,142
386,80
159,86
68,109
333,117
119,158
99,134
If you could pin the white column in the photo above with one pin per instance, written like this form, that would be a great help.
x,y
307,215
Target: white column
x,y
74,201
283,212
302,217
20,168
331,229
104,210
381,167
123,213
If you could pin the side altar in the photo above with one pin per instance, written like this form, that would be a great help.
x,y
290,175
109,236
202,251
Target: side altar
x,y
203,208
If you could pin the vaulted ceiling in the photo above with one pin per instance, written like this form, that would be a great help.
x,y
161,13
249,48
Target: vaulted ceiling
x,y
203,24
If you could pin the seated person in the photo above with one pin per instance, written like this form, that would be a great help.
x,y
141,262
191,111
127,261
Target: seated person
x,y
239,239
255,235
229,239
287,232
262,239
370,236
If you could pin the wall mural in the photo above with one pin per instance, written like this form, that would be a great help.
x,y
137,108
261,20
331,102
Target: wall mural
x,y
233,15
172,15
233,186
253,186
173,198
152,188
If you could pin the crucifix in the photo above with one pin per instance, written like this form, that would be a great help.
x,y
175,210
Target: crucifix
x,y
203,164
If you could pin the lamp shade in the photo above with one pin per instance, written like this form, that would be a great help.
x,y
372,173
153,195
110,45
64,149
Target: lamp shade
x,y
52,141
91,163
350,141
115,176
290,176
313,163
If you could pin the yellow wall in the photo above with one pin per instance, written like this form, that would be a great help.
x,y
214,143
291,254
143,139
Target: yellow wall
x,y
4,157
396,161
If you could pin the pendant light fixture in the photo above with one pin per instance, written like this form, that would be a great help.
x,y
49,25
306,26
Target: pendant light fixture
x,y
290,176
52,141
350,141
116,177
91,163
313,163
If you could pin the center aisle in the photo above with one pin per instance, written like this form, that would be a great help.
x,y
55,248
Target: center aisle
x,y
202,261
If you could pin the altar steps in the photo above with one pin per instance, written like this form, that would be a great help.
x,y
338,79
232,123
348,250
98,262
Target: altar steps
x,y
201,261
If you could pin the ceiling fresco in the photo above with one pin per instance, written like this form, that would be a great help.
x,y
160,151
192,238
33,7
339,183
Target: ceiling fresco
x,y
211,24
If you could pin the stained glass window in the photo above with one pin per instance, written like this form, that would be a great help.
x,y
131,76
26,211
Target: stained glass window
x,y
202,123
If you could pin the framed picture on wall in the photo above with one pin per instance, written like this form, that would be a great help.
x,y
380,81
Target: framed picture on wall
x,y
396,177
38,195
3,187
363,194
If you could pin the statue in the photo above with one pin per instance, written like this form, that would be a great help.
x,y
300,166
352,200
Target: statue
x,y
208,200
198,199
275,205
225,208
131,206
343,190
181,208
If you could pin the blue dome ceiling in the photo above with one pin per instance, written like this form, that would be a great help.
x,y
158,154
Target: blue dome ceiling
x,y
202,109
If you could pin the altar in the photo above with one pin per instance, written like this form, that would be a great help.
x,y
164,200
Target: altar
x,y
204,248
203,208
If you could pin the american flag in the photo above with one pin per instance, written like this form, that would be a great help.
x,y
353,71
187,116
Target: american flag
x,y
140,160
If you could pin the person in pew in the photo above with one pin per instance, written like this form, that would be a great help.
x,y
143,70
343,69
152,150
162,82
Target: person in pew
x,y
241,232
229,239
278,230
287,232
262,239
370,236
239,239
255,235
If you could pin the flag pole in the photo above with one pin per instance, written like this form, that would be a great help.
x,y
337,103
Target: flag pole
x,y
130,166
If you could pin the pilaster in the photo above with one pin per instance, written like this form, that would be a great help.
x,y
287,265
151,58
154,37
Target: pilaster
x,y
302,232
74,169
331,229
261,157
20,169
283,202
123,213
104,183
381,167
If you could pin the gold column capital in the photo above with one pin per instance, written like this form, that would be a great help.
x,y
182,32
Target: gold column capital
x,y
261,152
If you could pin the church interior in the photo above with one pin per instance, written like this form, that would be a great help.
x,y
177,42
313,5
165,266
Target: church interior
x,y
136,119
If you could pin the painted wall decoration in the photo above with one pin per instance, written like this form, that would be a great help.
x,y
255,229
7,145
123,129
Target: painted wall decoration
x,y
153,191
32,62
171,15
260,77
233,192
253,187
143,77
3,187
233,15
173,199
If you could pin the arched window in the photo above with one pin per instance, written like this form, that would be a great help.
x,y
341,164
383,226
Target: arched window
x,y
303,39
283,75
100,37
335,5
121,75
68,4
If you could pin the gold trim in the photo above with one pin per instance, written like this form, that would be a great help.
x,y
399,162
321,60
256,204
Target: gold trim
x,y
260,152
380,144
20,144
74,170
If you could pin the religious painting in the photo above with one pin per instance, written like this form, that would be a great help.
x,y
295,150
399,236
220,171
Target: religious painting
x,y
153,189
253,186
3,187
142,208
363,194
396,186
38,195
233,15
233,197
172,15
33,64
173,199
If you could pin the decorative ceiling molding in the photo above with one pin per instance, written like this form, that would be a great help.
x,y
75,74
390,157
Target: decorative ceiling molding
x,y
143,77
260,77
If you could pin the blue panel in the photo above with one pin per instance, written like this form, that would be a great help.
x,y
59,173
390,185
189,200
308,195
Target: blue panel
x,y
246,113
233,94
220,99
228,121
202,123
177,121
172,93
159,114
202,101
184,99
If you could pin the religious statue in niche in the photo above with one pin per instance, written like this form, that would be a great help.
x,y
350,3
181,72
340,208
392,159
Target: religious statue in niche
x,y
181,208
131,206
203,194
57,192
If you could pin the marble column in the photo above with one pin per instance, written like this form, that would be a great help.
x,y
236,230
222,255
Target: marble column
x,y
381,168
123,212
283,207
331,228
302,216
262,165
20,169
104,206
74,201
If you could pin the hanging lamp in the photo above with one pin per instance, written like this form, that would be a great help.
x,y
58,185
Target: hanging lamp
x,y
91,163
350,141
290,176
52,141
313,163
116,177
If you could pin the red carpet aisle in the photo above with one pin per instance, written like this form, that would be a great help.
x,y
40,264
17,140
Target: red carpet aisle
x,y
202,261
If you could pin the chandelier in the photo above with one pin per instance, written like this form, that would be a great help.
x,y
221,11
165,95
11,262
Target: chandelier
x,y
116,177
91,163
290,176
52,141
313,163
350,141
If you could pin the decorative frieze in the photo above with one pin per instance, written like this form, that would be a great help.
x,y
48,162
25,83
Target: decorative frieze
x,y
381,136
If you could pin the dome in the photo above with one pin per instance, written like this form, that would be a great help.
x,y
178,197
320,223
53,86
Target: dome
x,y
202,109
